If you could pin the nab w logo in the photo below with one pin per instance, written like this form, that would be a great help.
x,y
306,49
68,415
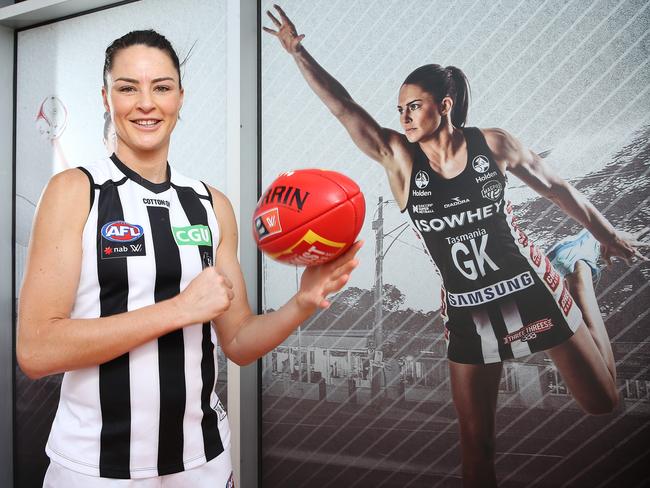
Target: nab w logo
x,y
193,235
268,223
120,239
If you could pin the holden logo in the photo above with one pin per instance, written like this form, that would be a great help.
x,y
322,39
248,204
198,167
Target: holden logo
x,y
491,190
421,179
480,164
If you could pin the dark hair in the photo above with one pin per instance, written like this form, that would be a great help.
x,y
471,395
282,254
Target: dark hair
x,y
444,82
149,38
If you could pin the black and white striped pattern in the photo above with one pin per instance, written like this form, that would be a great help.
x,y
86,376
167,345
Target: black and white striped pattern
x,y
527,308
151,411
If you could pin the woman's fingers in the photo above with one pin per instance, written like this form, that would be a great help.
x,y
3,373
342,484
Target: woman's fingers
x,y
275,21
270,31
347,255
283,15
346,268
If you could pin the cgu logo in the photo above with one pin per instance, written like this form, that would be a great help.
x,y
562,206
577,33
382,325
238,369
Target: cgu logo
x,y
287,195
120,231
193,235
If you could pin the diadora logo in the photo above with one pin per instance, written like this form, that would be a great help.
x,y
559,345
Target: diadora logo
x,y
193,235
480,164
421,193
423,208
120,231
421,179
268,223
456,201
492,190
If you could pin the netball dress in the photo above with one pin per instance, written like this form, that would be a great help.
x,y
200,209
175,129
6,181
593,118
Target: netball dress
x,y
501,297
152,411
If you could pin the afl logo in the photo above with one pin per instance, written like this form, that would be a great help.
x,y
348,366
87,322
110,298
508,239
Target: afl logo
x,y
120,231
491,190
480,164
421,179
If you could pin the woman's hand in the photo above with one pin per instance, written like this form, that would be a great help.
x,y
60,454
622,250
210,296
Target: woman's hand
x,y
286,32
623,245
318,282
206,297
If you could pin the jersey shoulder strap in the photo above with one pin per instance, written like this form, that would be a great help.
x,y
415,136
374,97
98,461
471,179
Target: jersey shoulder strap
x,y
476,143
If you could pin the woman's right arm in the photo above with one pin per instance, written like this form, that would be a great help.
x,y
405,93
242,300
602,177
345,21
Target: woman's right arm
x,y
48,341
381,144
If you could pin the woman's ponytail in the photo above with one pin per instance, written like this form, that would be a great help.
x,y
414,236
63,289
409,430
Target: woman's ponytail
x,y
460,97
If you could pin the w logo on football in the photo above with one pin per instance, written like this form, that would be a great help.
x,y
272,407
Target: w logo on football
x,y
268,223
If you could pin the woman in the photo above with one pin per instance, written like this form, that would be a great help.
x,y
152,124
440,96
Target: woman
x,y
501,297
120,290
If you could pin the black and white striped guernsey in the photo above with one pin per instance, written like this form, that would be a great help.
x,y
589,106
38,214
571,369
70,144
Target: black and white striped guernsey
x,y
152,411
501,297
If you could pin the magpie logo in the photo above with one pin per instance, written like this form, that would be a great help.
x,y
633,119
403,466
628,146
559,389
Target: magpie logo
x,y
421,179
480,164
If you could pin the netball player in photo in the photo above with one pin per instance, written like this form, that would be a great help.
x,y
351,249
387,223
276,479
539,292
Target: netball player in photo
x,y
120,291
502,297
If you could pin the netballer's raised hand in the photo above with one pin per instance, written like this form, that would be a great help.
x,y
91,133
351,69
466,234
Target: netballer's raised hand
x,y
625,246
286,31
318,282
206,297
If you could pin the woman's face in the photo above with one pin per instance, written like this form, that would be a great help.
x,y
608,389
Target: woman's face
x,y
144,96
420,115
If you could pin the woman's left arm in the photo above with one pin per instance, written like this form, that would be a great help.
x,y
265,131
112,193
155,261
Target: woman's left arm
x,y
530,168
244,336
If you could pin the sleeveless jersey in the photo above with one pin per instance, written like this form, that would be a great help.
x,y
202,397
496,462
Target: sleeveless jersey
x,y
152,411
497,285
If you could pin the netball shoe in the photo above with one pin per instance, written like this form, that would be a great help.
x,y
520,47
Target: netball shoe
x,y
581,247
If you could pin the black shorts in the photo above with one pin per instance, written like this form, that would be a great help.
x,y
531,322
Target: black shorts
x,y
529,320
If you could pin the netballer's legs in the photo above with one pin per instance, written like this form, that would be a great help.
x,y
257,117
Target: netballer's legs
x,y
474,389
586,361
582,290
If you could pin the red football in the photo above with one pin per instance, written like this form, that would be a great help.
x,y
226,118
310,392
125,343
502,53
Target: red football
x,y
308,216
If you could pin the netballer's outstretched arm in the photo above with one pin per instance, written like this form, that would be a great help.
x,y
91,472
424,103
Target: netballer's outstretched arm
x,y
531,169
381,144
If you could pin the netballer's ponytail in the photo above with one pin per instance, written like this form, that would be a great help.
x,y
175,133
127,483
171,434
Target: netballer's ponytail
x,y
461,99
444,82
